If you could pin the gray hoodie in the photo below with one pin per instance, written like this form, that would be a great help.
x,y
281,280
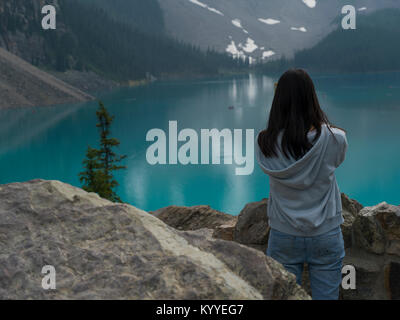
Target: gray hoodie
x,y
304,197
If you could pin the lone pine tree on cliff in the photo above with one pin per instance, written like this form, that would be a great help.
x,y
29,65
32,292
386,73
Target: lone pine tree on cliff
x,y
100,164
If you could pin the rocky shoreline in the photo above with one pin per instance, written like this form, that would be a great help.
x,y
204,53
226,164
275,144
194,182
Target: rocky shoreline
x,y
104,250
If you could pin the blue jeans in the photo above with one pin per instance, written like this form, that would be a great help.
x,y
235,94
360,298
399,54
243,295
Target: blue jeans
x,y
323,253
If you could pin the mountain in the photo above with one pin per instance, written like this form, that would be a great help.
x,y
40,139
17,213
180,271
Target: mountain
x,y
22,84
258,28
89,38
127,40
373,46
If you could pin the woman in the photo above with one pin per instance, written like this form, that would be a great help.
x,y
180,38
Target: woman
x,y
300,151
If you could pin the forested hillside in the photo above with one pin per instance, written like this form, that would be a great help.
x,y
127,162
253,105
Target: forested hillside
x,y
373,46
89,39
145,16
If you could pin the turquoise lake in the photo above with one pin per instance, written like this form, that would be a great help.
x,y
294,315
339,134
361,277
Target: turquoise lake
x,y
50,142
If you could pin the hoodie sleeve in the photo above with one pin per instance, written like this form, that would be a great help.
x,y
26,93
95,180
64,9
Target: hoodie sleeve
x,y
343,145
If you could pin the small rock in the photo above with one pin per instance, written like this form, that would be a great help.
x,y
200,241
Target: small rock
x,y
225,231
252,226
196,217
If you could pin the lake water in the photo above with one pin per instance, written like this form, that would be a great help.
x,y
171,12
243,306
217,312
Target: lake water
x,y
50,142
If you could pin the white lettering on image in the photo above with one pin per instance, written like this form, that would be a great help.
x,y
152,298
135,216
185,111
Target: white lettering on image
x,y
49,280
49,20
188,152
349,21
349,280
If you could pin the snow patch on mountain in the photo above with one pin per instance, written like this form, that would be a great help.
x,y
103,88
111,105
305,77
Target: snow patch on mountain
x,y
310,3
234,51
250,46
237,23
240,50
203,5
215,11
269,21
267,54
302,29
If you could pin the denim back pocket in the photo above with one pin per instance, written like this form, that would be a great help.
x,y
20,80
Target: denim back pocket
x,y
281,247
327,248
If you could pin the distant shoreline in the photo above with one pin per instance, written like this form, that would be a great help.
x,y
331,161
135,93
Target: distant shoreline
x,y
89,84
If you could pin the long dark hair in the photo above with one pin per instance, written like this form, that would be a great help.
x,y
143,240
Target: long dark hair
x,y
295,110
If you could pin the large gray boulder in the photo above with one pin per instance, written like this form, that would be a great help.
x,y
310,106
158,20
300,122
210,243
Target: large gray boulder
x,y
375,253
103,250
377,229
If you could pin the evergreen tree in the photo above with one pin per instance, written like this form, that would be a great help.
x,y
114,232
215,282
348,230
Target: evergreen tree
x,y
100,163
90,177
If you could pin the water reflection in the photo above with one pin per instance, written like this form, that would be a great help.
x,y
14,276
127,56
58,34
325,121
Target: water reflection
x,y
268,83
28,124
251,89
233,90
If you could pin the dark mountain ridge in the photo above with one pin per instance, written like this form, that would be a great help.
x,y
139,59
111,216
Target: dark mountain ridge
x,y
373,46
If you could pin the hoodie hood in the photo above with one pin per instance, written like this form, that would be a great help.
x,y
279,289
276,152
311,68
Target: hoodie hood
x,y
304,196
301,173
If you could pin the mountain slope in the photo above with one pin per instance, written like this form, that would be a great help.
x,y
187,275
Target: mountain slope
x,y
274,27
22,84
373,46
